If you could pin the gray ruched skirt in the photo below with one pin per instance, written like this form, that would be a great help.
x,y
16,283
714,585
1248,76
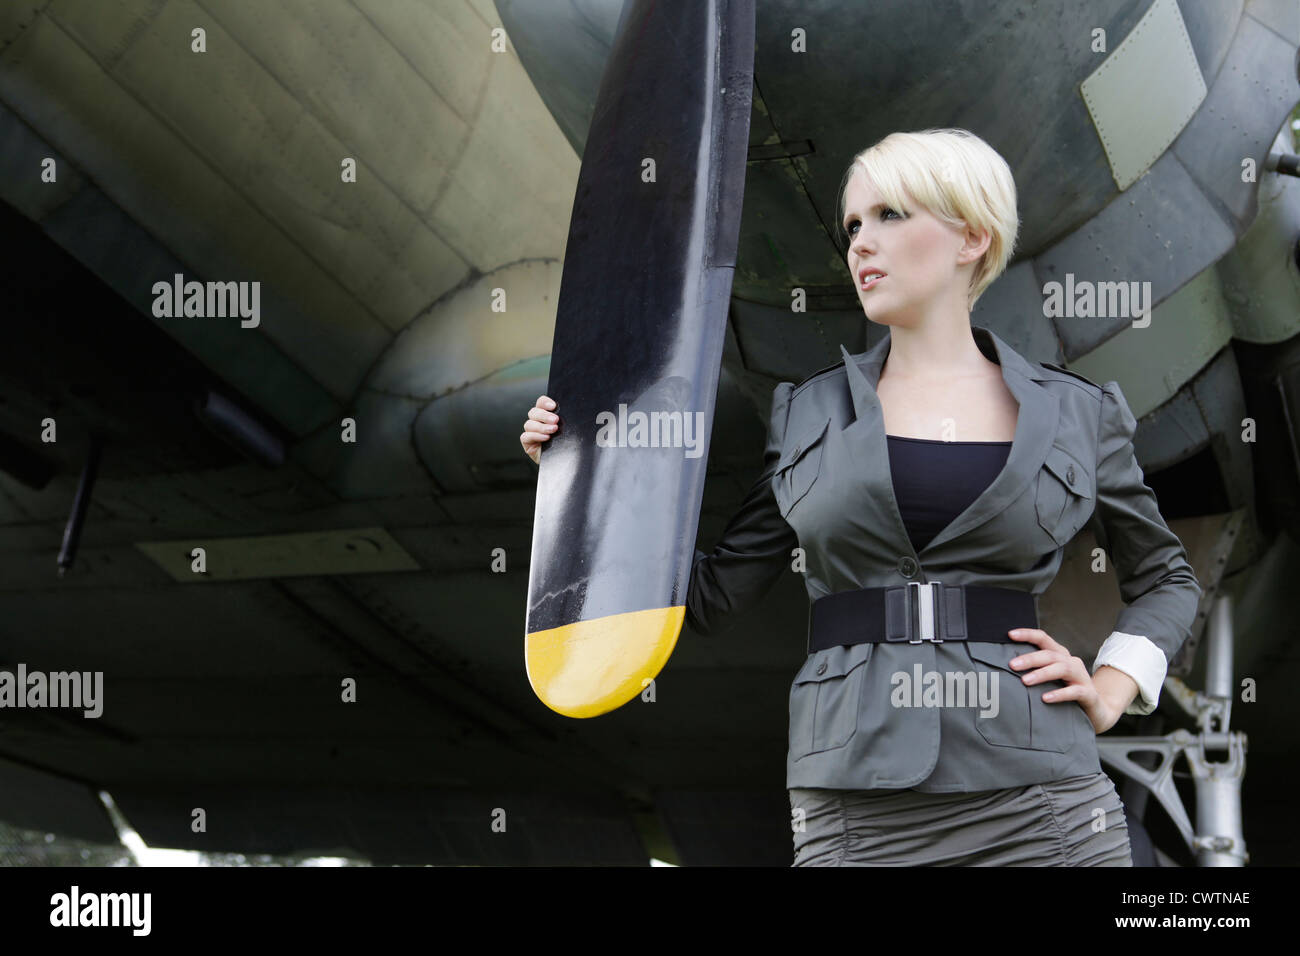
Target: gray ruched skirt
x,y
1078,821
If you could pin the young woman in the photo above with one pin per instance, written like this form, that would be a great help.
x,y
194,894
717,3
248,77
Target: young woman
x,y
928,488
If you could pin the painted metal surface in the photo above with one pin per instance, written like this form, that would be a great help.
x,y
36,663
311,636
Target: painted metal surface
x,y
1143,93
637,352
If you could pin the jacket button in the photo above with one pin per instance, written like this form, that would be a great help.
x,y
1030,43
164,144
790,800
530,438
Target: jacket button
x,y
821,668
906,566
1069,474
795,454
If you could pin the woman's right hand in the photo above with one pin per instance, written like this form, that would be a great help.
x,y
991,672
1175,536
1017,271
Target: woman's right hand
x,y
541,424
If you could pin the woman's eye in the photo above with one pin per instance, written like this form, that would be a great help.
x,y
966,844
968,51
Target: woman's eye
x,y
885,213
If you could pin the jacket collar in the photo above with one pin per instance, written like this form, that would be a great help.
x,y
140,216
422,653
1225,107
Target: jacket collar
x,y
1036,427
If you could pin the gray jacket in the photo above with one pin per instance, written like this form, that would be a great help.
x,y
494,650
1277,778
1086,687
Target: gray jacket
x,y
826,488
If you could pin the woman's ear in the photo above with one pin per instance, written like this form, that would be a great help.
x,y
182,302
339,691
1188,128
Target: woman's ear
x,y
976,244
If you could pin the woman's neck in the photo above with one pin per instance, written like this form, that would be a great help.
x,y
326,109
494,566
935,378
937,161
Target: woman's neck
x,y
934,353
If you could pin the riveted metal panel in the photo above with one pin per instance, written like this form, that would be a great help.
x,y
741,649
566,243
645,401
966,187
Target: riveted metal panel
x,y
1144,93
345,551
1250,99
1162,232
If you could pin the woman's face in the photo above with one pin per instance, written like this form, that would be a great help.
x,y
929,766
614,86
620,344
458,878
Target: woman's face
x,y
920,255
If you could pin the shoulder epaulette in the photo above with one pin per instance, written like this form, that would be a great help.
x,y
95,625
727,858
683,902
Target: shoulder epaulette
x,y
1070,372
821,371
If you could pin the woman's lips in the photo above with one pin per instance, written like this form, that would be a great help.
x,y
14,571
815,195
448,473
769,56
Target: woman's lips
x,y
871,283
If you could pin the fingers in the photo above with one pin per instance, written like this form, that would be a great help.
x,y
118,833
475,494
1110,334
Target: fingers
x,y
1057,670
1052,662
1034,635
542,422
1036,659
538,428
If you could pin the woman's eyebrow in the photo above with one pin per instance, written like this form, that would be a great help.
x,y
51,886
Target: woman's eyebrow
x,y
879,205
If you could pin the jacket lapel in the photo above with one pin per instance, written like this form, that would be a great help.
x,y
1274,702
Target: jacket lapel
x,y
1036,427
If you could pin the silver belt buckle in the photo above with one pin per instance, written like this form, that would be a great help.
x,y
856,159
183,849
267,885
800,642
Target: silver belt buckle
x,y
926,607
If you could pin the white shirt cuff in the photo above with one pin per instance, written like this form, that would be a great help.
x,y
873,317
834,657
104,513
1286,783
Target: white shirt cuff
x,y
1141,660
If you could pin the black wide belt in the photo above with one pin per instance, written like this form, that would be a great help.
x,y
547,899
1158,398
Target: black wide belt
x,y
916,613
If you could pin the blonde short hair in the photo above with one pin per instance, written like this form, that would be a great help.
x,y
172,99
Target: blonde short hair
x,y
957,177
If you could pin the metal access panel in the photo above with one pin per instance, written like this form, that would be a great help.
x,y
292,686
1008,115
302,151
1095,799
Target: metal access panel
x,y
1143,94
345,551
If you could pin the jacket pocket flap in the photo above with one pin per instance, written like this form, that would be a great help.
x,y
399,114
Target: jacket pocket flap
x,y
1067,468
802,443
997,654
833,662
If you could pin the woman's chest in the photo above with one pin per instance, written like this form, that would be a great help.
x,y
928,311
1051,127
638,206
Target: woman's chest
x,y
972,410
836,486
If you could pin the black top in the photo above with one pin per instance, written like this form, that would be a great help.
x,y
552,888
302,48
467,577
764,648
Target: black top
x,y
935,481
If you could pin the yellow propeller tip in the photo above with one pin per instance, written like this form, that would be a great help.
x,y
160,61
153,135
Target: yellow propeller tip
x,y
589,668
